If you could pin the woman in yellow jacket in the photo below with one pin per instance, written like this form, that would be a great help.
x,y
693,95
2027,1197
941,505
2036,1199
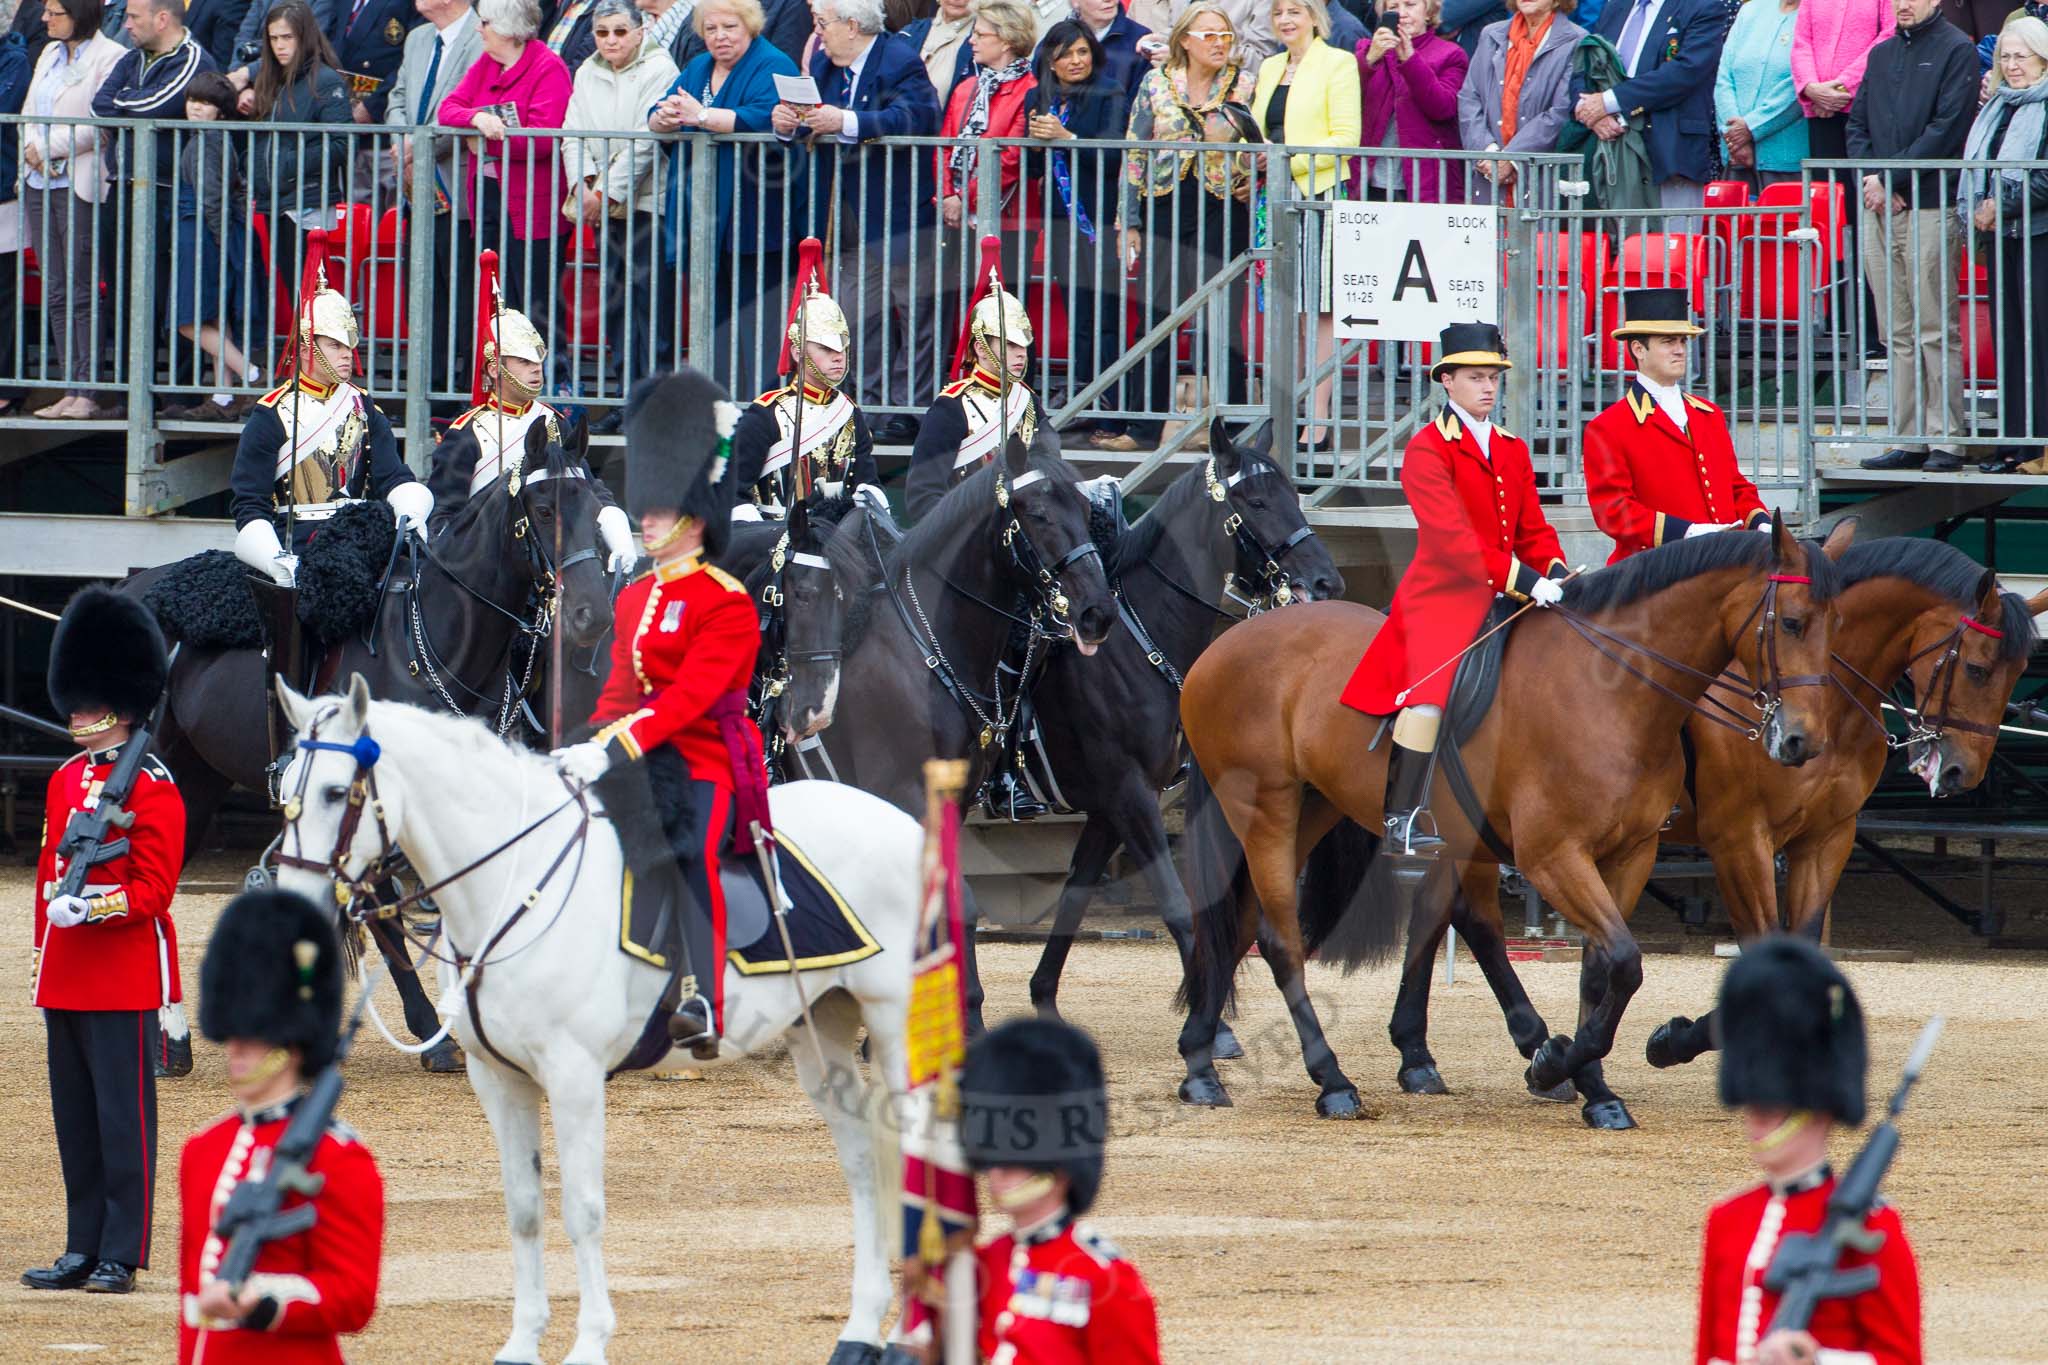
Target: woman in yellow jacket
x,y
1307,96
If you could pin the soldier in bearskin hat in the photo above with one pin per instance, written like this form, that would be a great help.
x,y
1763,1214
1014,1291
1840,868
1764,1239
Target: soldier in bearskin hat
x,y
270,992
104,957
1034,1119
673,742
1793,1058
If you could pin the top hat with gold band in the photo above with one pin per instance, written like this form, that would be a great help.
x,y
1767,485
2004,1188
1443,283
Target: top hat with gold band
x,y
1469,343
1656,313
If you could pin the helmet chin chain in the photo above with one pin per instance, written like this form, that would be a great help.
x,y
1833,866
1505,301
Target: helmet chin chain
x,y
512,388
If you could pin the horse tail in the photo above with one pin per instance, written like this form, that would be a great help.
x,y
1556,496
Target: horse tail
x,y
1349,906
1216,879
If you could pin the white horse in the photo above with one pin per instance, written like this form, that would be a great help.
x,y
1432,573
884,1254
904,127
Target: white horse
x,y
564,1005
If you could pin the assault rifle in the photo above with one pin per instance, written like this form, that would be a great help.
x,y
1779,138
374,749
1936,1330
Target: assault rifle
x,y
89,837
1806,1268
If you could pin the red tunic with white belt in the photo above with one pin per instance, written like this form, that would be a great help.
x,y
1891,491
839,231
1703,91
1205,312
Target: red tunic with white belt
x,y
1880,1327
1480,532
1061,1295
684,636
320,1283
1648,482
124,957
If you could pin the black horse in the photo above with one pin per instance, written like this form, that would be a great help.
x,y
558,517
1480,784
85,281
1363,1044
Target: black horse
x,y
1230,528
455,629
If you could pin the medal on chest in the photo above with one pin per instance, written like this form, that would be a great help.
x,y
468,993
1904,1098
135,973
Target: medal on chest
x,y
671,618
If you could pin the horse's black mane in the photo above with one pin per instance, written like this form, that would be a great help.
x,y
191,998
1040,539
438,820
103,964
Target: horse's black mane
x,y
852,552
952,522
822,516
1941,568
1141,542
1652,571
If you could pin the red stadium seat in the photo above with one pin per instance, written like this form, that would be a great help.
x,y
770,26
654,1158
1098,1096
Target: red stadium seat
x,y
1724,230
583,291
1978,316
1562,271
31,279
381,282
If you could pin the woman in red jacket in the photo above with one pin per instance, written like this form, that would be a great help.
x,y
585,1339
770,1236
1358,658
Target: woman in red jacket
x,y
990,105
1480,532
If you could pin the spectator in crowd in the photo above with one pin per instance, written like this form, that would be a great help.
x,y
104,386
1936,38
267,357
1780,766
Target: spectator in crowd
x,y
1918,96
515,180
1465,22
612,180
328,16
730,88
1831,43
1073,191
149,81
1979,18
1517,95
1410,78
569,35
1754,99
15,68
874,85
943,46
2010,207
784,23
214,24
65,192
369,43
1308,96
297,178
991,105
1251,23
1670,49
207,293
1117,33
1183,214
437,54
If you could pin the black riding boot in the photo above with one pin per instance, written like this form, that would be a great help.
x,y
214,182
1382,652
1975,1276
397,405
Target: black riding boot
x,y
283,657
1006,795
660,891
1408,772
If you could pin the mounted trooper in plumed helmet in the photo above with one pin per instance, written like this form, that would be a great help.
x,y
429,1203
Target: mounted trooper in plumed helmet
x,y
479,445
1034,1120
312,446
971,420
807,436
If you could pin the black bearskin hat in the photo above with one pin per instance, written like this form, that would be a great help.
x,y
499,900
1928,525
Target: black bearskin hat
x,y
273,971
108,652
1032,1095
1791,1032
678,437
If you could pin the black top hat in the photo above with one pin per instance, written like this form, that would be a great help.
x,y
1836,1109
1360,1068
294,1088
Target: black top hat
x,y
1032,1095
678,430
1656,313
1791,1032
107,653
1469,343
272,972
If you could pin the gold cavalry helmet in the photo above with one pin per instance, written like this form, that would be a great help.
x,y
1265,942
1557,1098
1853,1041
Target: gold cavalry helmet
x,y
517,339
819,319
330,316
997,318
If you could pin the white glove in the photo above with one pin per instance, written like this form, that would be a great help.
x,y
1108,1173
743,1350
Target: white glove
x,y
584,762
66,912
256,545
622,545
412,504
1548,592
745,511
873,495
1706,528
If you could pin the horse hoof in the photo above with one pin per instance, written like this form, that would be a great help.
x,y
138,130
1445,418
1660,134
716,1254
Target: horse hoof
x,y
1608,1115
1562,1093
1547,1069
1423,1080
1662,1050
442,1059
1206,1091
1341,1104
854,1353
1226,1048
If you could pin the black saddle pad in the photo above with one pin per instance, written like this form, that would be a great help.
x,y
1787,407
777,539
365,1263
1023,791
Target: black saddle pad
x,y
1477,681
822,927
206,601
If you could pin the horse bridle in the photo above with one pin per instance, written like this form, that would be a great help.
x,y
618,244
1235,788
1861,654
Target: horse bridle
x,y
1766,697
1050,601
775,678
1250,549
1925,726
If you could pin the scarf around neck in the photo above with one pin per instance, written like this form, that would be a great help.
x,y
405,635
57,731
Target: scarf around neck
x,y
2021,142
986,82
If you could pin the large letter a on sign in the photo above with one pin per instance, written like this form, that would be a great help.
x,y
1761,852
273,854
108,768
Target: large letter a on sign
x,y
1414,273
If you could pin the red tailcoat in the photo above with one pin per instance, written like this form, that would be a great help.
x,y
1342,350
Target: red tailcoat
x,y
683,636
323,1281
113,960
1480,531
1648,481
1063,1296
1881,1327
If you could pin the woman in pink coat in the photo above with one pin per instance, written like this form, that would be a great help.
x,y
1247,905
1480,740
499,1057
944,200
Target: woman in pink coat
x,y
1410,79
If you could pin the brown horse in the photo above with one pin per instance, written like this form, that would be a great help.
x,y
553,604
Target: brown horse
x,y
1577,767
1902,607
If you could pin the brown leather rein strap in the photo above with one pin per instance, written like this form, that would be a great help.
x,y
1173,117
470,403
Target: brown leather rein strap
x,y
1924,726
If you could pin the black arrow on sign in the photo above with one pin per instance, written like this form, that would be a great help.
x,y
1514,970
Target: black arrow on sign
x,y
1350,320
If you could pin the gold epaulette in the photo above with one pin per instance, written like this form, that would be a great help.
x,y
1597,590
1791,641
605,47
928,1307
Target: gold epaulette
x,y
724,579
271,399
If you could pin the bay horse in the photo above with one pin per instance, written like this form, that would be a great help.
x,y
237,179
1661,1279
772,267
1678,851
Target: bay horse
x,y
548,1004
1576,766
445,635
1230,527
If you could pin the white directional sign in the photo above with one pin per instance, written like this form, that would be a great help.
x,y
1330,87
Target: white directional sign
x,y
1404,272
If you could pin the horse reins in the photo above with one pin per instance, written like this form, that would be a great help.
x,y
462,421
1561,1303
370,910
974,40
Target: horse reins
x,y
1949,647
